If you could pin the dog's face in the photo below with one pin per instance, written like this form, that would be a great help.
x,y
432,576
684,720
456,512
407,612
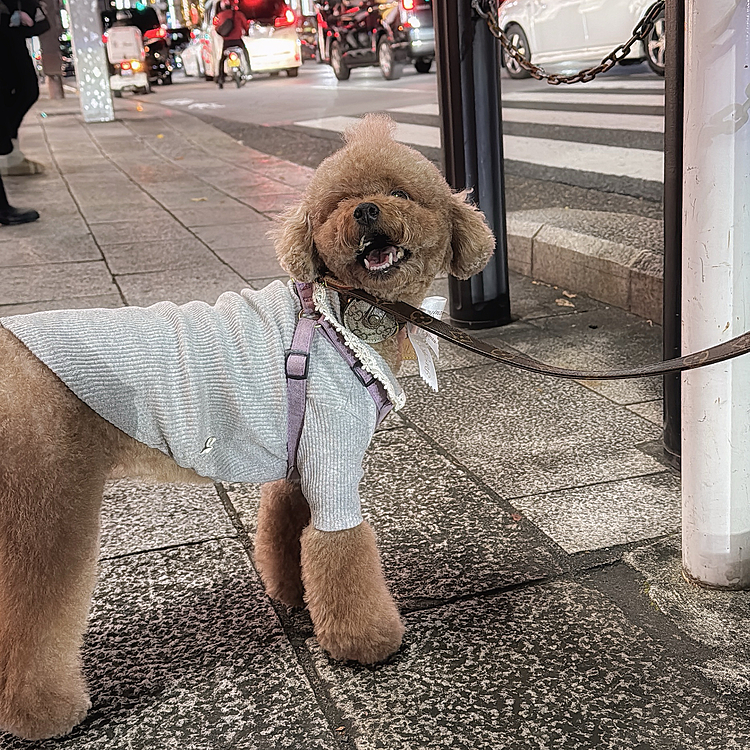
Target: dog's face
x,y
378,216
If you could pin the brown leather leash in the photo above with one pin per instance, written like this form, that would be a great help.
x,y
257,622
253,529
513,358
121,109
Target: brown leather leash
x,y
408,314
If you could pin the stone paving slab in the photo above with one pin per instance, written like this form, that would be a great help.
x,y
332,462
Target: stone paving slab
x,y
53,281
31,251
111,299
551,666
144,231
205,282
523,434
185,651
138,517
252,262
159,255
591,339
607,514
232,235
718,619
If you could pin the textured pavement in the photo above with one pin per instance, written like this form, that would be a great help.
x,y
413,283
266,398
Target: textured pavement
x,y
528,527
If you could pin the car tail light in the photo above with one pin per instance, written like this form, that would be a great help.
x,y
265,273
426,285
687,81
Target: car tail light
x,y
288,19
408,4
155,34
135,65
125,65
104,38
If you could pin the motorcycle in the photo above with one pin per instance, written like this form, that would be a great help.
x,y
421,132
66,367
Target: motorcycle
x,y
233,61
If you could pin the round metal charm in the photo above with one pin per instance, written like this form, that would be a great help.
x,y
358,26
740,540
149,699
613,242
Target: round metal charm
x,y
369,323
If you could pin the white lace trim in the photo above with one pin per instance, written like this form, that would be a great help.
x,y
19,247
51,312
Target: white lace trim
x,y
369,358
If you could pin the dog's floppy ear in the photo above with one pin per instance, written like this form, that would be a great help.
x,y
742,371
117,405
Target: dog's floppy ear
x,y
472,242
294,244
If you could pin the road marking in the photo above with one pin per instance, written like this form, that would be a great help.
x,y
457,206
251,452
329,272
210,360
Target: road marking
x,y
417,135
596,120
627,83
635,100
575,118
586,157
419,109
191,104
365,87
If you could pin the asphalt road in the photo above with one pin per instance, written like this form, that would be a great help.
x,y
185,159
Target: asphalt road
x,y
263,113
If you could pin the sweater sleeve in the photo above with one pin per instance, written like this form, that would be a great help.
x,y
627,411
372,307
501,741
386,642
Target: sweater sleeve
x,y
330,455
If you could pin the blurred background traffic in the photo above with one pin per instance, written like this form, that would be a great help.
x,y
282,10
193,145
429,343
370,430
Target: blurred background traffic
x,y
281,36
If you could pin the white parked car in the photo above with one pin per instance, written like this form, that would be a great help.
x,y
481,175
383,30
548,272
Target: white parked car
x,y
272,44
564,35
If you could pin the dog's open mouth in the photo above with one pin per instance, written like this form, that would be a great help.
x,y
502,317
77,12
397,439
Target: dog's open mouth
x,y
378,254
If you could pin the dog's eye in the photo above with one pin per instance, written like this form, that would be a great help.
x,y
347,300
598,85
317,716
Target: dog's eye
x,y
400,194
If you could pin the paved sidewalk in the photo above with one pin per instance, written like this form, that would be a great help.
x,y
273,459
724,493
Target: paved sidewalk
x,y
528,527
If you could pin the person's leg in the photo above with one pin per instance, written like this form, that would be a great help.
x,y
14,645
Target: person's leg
x,y
19,90
220,78
9,214
4,205
25,85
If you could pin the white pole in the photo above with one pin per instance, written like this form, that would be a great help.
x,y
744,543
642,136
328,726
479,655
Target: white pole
x,y
716,293
90,59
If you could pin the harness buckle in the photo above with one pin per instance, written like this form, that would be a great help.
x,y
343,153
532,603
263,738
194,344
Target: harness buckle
x,y
292,368
360,372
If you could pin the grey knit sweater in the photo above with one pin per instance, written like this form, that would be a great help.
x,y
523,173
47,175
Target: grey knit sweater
x,y
206,385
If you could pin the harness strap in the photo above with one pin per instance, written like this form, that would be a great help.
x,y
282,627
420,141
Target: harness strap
x,y
370,382
297,368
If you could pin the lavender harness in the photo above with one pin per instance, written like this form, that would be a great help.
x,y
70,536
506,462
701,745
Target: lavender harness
x,y
297,366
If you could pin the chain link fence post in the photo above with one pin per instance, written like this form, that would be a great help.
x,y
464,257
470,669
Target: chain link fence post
x,y
674,84
468,69
716,293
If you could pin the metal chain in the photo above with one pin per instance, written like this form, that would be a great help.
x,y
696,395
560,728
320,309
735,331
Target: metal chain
x,y
640,32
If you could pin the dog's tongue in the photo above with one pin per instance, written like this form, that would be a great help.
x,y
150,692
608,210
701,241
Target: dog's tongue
x,y
380,258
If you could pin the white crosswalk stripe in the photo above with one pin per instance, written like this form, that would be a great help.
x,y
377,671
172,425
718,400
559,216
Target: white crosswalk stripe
x,y
577,119
604,134
585,97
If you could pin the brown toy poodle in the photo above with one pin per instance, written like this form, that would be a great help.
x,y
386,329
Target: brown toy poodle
x,y
377,216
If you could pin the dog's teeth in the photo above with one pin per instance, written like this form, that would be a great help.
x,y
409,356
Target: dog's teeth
x,y
367,264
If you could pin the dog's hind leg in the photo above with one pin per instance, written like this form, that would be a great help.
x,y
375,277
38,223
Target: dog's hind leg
x,y
52,473
283,515
353,613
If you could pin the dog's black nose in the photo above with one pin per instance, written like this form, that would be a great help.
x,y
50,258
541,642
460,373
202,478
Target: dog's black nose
x,y
366,214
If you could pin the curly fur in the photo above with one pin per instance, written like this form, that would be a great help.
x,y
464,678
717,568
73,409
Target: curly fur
x,y
57,453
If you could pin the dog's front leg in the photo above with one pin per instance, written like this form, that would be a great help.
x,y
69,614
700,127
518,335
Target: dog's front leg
x,y
353,612
283,514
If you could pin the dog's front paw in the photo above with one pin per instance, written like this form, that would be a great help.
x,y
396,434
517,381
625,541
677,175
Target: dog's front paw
x,y
367,637
47,712
353,613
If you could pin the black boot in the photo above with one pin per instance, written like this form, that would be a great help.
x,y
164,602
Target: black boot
x,y
12,215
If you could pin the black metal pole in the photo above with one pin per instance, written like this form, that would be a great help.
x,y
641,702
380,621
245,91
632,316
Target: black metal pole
x,y
445,16
673,139
469,92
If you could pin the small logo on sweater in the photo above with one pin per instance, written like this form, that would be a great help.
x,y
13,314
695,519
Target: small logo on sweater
x,y
209,446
